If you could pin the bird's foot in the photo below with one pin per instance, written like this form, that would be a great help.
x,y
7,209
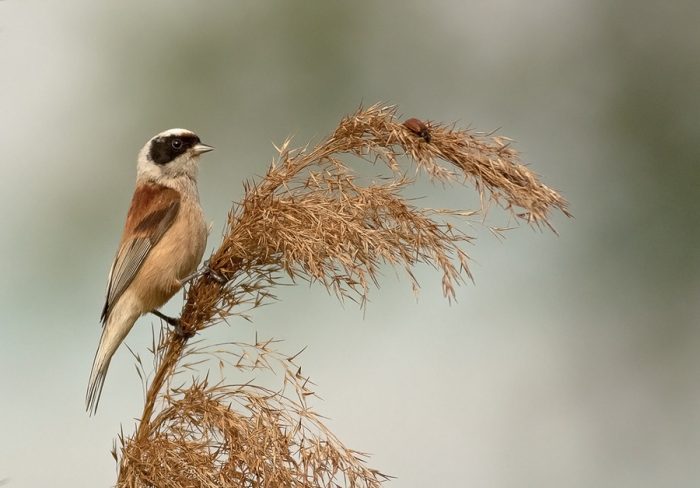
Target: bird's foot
x,y
175,324
205,270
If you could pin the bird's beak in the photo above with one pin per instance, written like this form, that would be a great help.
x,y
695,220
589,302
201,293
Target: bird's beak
x,y
201,149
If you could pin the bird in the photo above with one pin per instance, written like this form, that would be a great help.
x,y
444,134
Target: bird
x,y
162,244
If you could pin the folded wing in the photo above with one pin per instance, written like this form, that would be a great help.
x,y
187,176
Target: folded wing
x,y
153,210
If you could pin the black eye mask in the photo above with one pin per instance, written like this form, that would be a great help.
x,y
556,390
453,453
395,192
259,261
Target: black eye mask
x,y
165,149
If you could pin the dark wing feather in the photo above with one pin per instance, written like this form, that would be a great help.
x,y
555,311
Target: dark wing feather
x,y
152,212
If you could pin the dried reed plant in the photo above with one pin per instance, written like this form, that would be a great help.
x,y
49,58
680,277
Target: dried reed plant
x,y
312,218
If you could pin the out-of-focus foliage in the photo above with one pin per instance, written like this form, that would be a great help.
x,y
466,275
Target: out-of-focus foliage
x,y
586,376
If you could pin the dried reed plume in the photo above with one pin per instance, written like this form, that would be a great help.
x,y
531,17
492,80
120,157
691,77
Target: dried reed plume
x,y
310,217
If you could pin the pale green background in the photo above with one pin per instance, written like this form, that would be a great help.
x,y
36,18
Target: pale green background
x,y
572,362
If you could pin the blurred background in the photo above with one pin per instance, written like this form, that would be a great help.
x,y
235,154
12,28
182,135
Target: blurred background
x,y
572,361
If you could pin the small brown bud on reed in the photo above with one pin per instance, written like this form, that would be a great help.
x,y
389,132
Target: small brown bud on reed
x,y
418,127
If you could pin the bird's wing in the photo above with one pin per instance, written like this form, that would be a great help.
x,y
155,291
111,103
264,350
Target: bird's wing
x,y
153,210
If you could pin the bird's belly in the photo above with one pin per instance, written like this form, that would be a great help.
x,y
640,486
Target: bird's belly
x,y
173,258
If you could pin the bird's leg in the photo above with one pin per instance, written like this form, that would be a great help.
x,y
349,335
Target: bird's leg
x,y
205,270
169,320
174,323
191,277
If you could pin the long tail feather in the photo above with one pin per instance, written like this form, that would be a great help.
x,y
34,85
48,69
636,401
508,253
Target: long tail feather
x,y
118,325
97,376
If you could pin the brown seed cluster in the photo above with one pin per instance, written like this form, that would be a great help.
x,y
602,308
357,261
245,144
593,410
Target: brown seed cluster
x,y
312,218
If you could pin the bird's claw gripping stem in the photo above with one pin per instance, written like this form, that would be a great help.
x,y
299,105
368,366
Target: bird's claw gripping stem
x,y
175,324
205,270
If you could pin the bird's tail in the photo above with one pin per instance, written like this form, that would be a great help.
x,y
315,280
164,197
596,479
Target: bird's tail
x,y
113,333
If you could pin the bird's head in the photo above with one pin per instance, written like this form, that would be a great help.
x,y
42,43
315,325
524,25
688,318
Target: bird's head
x,y
171,154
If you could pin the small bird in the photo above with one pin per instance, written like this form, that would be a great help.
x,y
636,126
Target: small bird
x,y
162,244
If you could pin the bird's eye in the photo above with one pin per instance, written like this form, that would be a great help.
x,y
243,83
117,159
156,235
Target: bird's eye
x,y
177,143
